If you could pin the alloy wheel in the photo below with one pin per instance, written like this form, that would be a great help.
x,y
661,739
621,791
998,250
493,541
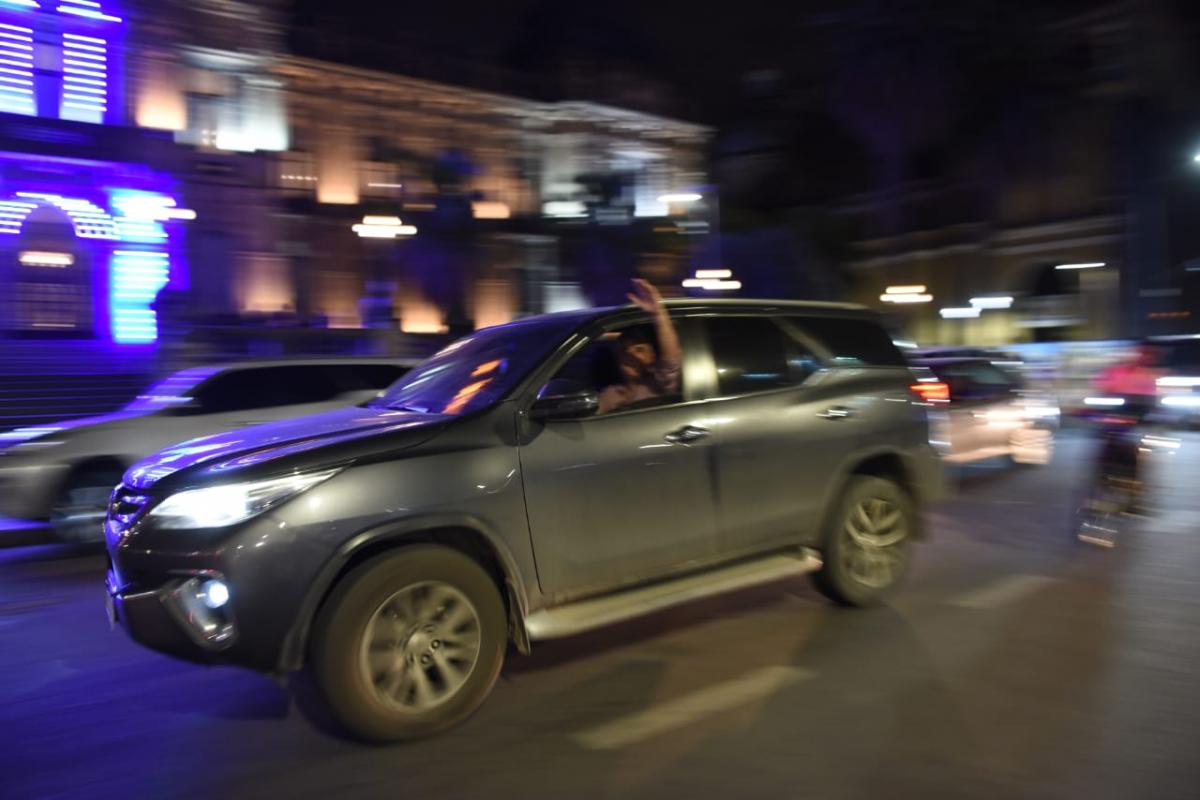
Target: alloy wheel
x,y
420,646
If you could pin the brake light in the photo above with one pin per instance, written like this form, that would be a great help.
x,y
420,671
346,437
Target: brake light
x,y
931,391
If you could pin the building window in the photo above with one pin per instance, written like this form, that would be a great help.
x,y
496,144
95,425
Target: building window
x,y
380,179
51,72
16,70
297,172
85,78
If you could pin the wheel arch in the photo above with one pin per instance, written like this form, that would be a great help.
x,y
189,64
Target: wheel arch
x,y
463,533
878,462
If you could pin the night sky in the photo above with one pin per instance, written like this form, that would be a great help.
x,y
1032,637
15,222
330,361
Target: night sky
x,y
700,49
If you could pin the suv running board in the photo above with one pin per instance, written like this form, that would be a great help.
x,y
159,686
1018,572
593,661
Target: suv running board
x,y
585,615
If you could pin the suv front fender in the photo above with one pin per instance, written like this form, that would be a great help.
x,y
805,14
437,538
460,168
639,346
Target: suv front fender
x,y
462,531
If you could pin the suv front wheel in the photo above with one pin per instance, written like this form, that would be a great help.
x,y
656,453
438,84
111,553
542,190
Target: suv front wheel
x,y
865,546
409,644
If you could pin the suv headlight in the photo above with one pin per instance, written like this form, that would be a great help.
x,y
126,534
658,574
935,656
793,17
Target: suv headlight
x,y
230,503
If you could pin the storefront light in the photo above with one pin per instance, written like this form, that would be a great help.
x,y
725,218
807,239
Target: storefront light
x,y
712,284
377,227
38,258
992,302
487,209
906,299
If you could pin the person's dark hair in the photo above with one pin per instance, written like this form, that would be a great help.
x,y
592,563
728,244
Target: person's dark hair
x,y
636,335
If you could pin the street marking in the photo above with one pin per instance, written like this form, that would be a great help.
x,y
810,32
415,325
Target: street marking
x,y
691,707
1004,591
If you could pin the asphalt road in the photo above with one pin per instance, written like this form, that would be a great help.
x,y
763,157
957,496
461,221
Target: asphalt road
x,y
1015,663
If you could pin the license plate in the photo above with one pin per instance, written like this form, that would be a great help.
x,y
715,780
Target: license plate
x,y
111,608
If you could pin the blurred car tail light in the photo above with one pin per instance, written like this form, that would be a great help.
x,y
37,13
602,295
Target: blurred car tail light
x,y
931,391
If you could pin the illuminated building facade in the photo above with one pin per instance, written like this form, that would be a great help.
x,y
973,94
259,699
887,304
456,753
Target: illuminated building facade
x,y
531,175
86,243
172,144
128,151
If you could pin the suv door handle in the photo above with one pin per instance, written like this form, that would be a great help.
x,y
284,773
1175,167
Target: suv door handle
x,y
836,412
686,435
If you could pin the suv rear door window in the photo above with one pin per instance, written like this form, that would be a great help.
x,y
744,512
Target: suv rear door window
x,y
852,341
753,354
265,387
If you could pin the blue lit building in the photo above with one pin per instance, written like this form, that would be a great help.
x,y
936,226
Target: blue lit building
x,y
102,137
86,240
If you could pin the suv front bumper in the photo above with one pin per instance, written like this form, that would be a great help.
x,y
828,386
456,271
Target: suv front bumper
x,y
174,619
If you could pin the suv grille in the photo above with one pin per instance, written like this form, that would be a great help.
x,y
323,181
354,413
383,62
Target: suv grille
x,y
123,509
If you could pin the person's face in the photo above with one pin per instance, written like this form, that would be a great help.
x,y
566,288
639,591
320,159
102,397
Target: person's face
x,y
636,359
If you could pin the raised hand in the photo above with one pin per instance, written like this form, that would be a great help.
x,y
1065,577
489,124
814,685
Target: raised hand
x,y
645,296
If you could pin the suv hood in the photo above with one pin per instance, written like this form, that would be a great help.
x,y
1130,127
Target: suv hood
x,y
240,449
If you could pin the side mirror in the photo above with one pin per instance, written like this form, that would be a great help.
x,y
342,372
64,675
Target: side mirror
x,y
565,399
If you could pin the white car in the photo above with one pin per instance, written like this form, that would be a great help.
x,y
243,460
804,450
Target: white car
x,y
64,472
981,411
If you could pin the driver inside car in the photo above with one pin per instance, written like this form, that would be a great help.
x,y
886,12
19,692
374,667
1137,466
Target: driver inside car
x,y
649,360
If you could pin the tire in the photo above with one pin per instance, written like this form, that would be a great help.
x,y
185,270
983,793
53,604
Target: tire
x,y
862,568
377,660
78,512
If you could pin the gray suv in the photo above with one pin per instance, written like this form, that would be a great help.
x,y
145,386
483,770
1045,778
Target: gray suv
x,y
497,494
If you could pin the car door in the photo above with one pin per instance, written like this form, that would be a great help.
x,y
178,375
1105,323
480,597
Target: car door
x,y
617,498
782,428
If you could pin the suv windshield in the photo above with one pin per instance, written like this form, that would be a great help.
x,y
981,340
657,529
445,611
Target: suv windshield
x,y
476,371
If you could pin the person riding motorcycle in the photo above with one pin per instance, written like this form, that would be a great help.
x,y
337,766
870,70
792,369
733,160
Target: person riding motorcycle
x,y
1130,389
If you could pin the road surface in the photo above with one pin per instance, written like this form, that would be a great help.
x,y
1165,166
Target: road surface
x,y
1014,663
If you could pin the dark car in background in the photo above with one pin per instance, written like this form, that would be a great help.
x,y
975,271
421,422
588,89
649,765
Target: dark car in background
x,y
64,472
399,547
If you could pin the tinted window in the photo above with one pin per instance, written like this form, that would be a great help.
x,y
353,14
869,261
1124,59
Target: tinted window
x,y
852,341
753,354
598,367
595,366
475,372
265,387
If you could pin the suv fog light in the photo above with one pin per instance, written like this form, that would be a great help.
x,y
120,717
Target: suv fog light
x,y
214,593
201,607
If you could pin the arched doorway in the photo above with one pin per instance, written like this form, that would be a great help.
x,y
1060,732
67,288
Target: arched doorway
x,y
51,278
